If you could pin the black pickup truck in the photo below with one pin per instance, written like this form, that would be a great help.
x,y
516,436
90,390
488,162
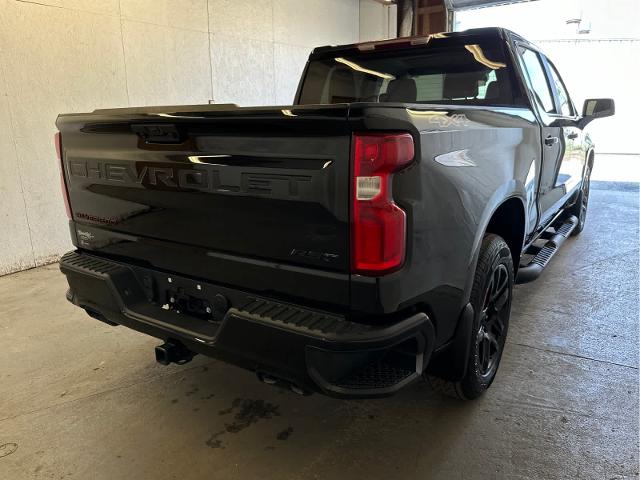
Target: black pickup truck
x,y
364,237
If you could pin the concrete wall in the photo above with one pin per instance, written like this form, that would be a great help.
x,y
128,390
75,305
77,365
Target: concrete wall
x,y
78,55
377,21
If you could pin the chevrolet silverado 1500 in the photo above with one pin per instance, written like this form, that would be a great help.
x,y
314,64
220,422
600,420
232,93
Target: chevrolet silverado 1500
x,y
364,237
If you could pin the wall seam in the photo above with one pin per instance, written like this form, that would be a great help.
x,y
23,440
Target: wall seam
x,y
24,199
124,55
211,99
81,10
359,18
12,132
273,53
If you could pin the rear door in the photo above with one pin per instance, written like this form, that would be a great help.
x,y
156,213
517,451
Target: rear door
x,y
557,140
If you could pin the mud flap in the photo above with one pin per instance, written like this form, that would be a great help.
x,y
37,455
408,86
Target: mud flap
x,y
451,362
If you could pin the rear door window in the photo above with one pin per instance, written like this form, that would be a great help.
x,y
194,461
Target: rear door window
x,y
537,79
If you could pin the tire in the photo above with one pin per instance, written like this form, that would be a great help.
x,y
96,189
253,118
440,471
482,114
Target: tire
x,y
491,296
579,209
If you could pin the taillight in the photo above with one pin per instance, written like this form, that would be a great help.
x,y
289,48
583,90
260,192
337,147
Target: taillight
x,y
378,225
57,138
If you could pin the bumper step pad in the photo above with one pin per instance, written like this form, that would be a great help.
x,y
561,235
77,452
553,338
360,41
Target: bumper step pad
x,y
378,374
90,265
306,321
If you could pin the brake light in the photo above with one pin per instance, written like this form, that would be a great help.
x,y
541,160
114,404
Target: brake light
x,y
57,138
378,225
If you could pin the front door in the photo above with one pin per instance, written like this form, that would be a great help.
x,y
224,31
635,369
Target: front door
x,y
569,172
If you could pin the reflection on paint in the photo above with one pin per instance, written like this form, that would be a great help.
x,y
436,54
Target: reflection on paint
x,y
426,113
205,159
359,68
169,115
531,176
479,55
458,158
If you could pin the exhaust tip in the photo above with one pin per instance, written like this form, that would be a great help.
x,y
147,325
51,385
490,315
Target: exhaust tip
x,y
283,383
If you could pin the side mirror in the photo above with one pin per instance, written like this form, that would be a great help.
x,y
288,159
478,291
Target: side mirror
x,y
596,108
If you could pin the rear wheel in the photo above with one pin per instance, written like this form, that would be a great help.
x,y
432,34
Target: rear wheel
x,y
491,299
581,205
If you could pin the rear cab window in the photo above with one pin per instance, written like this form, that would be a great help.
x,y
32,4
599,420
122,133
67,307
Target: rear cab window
x,y
456,70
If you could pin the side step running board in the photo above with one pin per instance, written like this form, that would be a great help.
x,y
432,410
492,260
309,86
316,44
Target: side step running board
x,y
544,255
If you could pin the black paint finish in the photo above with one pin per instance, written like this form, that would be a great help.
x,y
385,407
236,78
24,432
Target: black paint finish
x,y
257,199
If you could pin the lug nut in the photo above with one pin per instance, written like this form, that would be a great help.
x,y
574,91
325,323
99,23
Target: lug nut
x,y
208,309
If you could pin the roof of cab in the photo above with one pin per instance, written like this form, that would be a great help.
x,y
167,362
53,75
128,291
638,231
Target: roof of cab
x,y
495,33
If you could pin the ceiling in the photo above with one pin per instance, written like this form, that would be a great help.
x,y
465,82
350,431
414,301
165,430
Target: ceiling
x,y
466,4
469,4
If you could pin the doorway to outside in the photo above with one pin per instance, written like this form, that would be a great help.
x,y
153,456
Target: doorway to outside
x,y
595,47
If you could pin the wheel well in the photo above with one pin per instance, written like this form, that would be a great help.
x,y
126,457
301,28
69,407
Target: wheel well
x,y
508,222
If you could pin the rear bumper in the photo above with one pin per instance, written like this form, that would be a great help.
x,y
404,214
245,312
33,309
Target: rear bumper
x,y
310,349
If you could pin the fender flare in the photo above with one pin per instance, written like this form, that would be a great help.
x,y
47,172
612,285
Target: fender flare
x,y
507,191
451,361
590,151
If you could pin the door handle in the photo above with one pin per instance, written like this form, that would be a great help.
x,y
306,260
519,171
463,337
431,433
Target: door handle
x,y
572,136
550,141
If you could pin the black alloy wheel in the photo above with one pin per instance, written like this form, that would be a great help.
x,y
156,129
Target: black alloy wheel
x,y
491,295
495,312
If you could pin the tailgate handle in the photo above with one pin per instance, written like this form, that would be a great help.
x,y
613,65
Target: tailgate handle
x,y
157,133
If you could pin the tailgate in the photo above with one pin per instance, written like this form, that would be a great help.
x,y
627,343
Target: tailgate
x,y
263,183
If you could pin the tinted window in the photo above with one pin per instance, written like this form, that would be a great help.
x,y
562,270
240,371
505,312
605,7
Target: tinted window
x,y
537,79
471,74
566,108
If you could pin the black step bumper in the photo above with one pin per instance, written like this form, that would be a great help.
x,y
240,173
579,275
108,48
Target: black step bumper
x,y
310,349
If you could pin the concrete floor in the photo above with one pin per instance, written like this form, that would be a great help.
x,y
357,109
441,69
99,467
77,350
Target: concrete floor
x,y
82,400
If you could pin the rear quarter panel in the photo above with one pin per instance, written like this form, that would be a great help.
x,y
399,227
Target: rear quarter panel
x,y
468,162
